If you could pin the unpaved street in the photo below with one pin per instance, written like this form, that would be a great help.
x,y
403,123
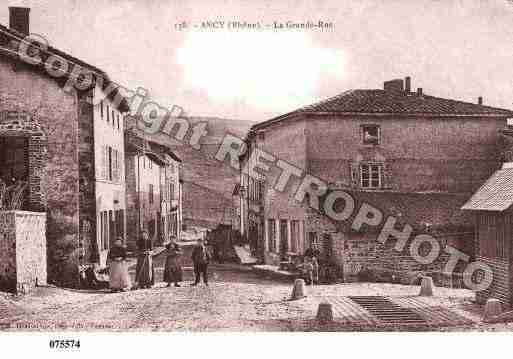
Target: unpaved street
x,y
237,299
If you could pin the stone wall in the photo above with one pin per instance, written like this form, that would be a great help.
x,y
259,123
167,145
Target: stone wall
x,y
7,251
31,259
88,249
420,154
357,250
26,90
23,260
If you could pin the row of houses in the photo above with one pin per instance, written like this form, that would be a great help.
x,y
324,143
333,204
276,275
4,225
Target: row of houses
x,y
414,156
88,167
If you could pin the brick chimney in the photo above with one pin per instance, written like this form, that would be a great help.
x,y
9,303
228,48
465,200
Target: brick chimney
x,y
395,85
407,84
480,100
419,91
19,19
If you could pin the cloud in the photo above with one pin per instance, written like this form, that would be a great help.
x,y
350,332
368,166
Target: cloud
x,y
264,69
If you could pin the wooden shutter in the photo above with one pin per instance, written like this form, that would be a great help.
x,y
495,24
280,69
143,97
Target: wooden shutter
x,y
104,163
386,179
355,174
116,165
121,160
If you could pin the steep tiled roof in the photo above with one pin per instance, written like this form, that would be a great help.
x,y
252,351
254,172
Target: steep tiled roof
x,y
381,102
495,195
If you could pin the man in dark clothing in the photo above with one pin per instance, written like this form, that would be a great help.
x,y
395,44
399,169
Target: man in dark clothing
x,y
200,258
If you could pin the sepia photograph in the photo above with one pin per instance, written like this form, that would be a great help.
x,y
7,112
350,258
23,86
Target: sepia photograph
x,y
236,166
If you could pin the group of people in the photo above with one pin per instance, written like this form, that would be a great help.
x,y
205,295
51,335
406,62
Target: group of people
x,y
119,279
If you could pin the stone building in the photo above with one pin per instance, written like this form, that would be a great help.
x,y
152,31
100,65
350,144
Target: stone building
x,y
410,154
154,188
69,151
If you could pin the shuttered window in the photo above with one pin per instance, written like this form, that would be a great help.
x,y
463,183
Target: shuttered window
x,y
294,236
271,227
103,174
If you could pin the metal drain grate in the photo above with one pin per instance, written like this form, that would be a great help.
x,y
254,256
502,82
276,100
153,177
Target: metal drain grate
x,y
387,311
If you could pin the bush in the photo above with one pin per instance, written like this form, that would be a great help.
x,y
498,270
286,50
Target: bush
x,y
11,197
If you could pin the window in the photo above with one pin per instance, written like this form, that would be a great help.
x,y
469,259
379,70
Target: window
x,y
108,119
284,237
112,227
313,240
116,166
13,159
171,191
370,175
272,234
100,226
150,193
113,119
120,223
101,109
105,231
118,120
110,163
294,236
371,135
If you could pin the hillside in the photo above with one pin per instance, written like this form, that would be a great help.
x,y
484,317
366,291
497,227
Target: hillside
x,y
208,184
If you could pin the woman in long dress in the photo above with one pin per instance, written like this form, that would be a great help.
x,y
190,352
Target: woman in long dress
x,y
119,278
173,268
144,268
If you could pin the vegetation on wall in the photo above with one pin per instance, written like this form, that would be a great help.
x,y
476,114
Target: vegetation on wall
x,y
12,197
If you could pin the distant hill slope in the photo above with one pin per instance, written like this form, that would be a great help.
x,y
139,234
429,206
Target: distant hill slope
x,y
208,184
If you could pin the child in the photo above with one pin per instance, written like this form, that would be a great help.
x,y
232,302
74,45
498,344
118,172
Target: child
x,y
308,270
173,268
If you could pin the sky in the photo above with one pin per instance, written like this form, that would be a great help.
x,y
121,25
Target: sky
x,y
453,49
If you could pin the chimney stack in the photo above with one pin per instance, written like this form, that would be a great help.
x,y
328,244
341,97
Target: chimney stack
x,y
480,100
19,19
419,91
407,84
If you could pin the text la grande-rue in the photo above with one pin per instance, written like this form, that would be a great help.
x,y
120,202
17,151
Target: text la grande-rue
x,y
302,25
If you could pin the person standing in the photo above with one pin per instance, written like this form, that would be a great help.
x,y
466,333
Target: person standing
x,y
200,258
308,270
315,270
119,279
144,268
173,267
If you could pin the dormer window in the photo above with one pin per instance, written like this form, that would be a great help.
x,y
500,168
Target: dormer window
x,y
371,134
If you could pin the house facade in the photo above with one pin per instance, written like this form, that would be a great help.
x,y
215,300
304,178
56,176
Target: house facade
x,y
154,188
407,153
53,138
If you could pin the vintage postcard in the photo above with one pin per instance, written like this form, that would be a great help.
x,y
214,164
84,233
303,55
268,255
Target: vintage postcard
x,y
255,166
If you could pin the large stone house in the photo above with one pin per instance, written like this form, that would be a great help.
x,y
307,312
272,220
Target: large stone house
x,y
412,155
153,187
68,151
